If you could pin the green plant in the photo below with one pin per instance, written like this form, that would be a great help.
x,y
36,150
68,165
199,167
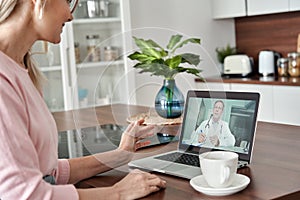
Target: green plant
x,y
158,61
225,51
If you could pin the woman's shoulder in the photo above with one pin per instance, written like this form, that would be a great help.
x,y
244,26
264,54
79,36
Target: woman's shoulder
x,y
9,68
10,71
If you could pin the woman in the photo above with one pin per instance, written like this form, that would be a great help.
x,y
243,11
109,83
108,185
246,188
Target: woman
x,y
28,144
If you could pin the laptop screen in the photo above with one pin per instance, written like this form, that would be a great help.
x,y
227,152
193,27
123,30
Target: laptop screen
x,y
220,121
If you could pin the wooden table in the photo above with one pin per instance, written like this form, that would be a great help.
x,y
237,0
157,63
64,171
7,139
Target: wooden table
x,y
274,171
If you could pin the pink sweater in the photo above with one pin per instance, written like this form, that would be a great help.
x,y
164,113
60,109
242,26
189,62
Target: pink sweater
x,y
28,140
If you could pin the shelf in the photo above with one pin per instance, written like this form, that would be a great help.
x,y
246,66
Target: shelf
x,y
96,20
281,81
62,71
50,68
99,64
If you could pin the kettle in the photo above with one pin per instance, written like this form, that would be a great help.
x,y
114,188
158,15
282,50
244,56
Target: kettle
x,y
266,62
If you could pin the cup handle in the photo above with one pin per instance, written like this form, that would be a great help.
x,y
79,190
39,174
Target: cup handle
x,y
225,174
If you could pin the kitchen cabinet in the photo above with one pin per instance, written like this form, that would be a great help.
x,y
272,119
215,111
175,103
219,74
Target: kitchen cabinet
x,y
265,112
240,8
228,8
258,7
277,103
286,101
294,5
81,74
213,86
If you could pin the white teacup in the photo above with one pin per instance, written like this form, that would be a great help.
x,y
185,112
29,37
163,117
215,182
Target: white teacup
x,y
219,168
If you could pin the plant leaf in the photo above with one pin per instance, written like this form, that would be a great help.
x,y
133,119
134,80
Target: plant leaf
x,y
173,41
191,40
152,58
226,51
162,51
174,61
147,47
154,44
141,57
193,71
190,58
157,69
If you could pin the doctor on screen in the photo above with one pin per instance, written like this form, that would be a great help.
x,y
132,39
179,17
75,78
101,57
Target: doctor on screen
x,y
214,132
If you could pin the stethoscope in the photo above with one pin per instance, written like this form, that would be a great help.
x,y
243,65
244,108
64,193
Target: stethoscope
x,y
207,125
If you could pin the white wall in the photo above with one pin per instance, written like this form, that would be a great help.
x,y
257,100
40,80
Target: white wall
x,y
159,19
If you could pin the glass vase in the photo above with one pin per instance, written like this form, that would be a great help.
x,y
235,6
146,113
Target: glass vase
x,y
169,101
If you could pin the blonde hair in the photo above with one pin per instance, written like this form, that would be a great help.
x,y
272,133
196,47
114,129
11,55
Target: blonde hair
x,y
36,76
6,7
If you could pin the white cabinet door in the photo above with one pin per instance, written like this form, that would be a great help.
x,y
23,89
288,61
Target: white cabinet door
x,y
265,109
294,5
228,8
286,104
258,7
213,86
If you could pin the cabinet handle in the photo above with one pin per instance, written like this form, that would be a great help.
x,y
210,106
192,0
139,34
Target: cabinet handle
x,y
69,67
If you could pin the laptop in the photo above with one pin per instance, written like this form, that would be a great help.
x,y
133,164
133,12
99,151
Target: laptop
x,y
236,132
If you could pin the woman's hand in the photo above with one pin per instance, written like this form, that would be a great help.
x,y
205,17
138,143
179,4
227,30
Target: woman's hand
x,y
135,132
135,185
138,184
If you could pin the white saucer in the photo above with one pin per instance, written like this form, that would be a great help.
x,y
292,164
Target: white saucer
x,y
200,184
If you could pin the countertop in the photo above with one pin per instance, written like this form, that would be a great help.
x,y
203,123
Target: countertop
x,y
284,81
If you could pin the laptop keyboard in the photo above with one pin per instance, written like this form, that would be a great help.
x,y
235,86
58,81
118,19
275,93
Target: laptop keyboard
x,y
182,158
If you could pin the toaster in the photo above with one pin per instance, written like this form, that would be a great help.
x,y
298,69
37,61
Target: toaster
x,y
237,65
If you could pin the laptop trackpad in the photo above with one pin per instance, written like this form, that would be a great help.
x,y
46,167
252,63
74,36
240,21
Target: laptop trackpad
x,y
173,168
182,171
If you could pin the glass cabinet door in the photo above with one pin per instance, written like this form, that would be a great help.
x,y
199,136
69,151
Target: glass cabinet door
x,y
89,66
47,58
99,53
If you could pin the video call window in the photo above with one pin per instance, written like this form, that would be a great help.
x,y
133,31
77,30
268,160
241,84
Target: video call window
x,y
219,123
